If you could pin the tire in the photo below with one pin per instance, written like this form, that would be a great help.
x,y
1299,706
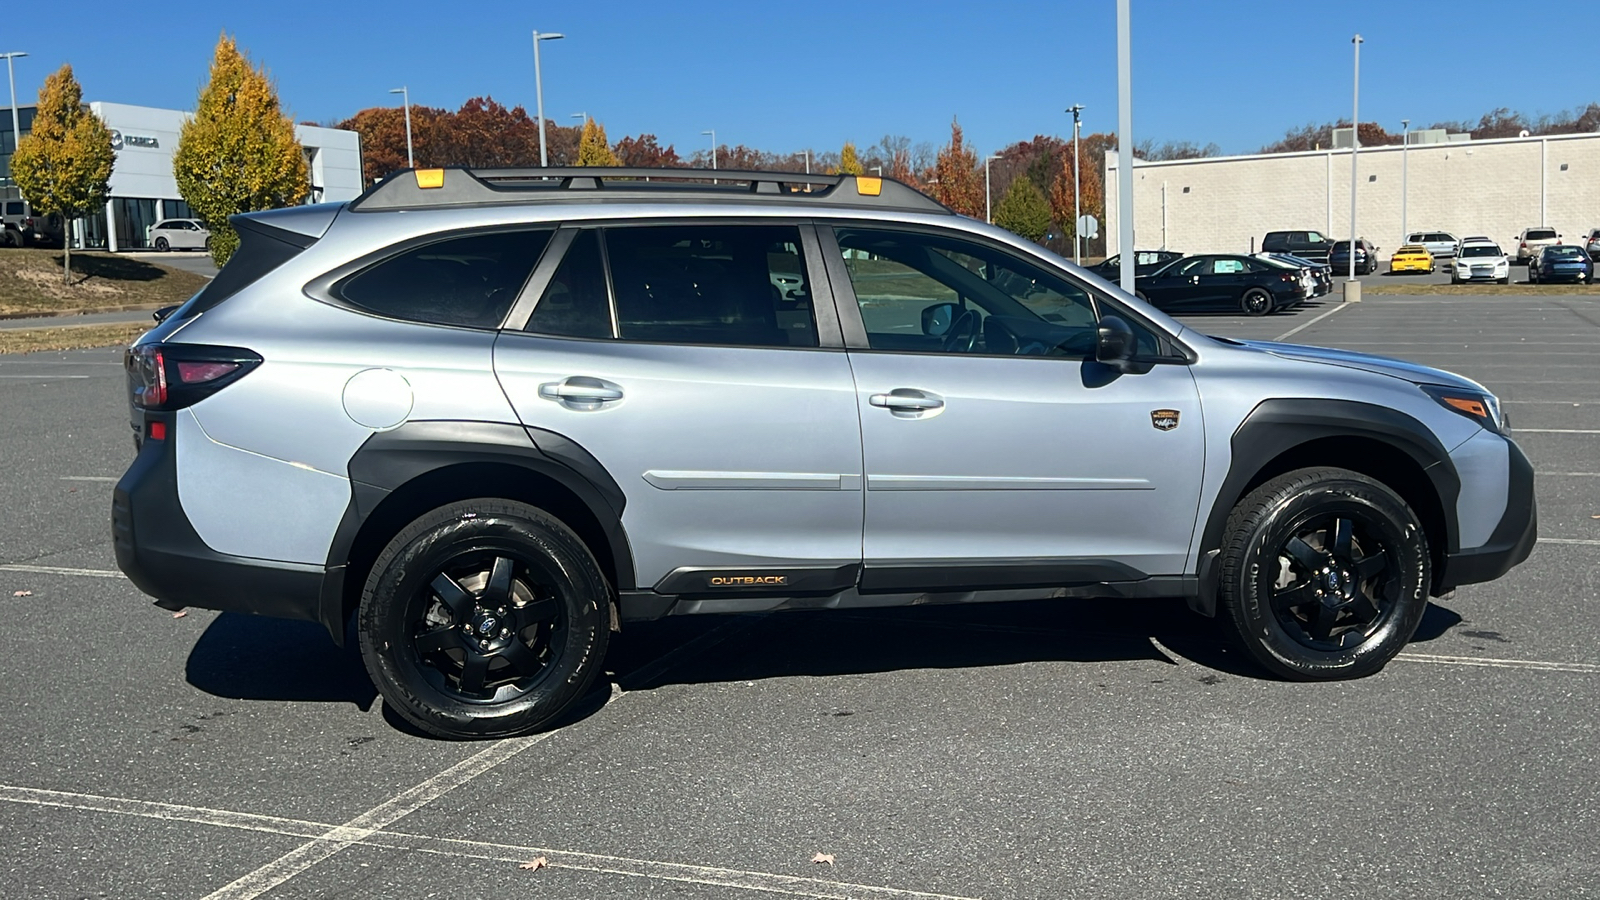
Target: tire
x,y
529,590
1506,280
1256,302
13,239
1378,572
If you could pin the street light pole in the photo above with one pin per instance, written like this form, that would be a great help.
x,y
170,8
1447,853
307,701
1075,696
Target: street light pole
x,y
987,215
538,89
713,133
11,72
405,92
808,160
1355,147
1077,166
1405,149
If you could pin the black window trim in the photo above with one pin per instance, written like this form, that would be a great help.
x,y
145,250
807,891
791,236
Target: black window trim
x,y
325,287
855,329
823,314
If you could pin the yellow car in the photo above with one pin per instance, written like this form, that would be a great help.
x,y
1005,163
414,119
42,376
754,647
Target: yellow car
x,y
1411,258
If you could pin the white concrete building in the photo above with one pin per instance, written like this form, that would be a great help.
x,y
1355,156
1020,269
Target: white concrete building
x,y
1490,187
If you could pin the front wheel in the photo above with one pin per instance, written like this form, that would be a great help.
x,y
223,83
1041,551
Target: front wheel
x,y
1256,302
484,618
1325,574
162,245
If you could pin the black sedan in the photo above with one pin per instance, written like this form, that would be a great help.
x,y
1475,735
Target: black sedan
x,y
1563,262
1144,262
1215,281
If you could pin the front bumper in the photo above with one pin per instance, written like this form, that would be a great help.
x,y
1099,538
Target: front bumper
x,y
1512,539
160,552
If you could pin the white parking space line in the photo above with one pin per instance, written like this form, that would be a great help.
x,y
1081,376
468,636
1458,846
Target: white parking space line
x,y
715,876
106,478
1583,542
1482,662
1517,431
1299,328
1571,474
58,570
48,377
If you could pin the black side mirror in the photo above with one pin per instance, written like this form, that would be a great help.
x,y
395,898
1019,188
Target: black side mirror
x,y
1115,343
937,319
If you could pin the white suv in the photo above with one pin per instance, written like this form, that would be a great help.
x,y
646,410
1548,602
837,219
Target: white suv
x,y
1532,240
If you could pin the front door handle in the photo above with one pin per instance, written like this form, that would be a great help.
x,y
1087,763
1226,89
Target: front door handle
x,y
580,392
906,402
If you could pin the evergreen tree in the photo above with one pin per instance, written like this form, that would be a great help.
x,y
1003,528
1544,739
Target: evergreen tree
x,y
960,184
64,166
1024,211
849,162
593,148
239,152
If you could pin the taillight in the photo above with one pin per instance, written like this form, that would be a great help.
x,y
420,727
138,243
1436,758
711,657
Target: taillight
x,y
172,376
1288,276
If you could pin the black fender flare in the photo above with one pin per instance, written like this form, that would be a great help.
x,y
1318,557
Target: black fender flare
x,y
389,460
1279,425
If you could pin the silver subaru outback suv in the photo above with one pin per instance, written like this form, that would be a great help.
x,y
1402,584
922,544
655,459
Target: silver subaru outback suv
x,y
494,414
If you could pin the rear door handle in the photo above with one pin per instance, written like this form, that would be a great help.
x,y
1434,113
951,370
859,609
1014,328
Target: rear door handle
x,y
580,392
906,400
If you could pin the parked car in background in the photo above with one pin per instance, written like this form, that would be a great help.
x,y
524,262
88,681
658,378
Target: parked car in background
x,y
1321,276
1563,262
1306,244
1439,243
1591,243
1479,260
1307,280
24,229
1252,286
1366,257
1144,262
1412,258
178,234
1532,240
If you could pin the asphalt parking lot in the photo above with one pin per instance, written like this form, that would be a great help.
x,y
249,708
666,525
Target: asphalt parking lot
x,y
1065,749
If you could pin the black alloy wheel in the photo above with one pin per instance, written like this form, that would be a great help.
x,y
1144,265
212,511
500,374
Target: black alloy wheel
x,y
1256,302
1325,574
483,619
161,244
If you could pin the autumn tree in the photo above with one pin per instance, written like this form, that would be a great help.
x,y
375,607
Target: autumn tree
x,y
593,148
1023,210
849,163
645,152
1091,179
959,184
64,166
239,152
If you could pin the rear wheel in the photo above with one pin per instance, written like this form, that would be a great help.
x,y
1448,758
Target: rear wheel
x,y
1256,302
162,245
1325,574
484,618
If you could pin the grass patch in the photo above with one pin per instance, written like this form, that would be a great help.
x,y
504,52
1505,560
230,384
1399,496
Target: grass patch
x,y
70,337
1465,290
30,283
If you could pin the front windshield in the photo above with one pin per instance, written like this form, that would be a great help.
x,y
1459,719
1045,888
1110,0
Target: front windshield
x,y
1481,250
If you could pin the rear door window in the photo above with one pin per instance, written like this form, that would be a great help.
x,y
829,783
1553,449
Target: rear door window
x,y
470,281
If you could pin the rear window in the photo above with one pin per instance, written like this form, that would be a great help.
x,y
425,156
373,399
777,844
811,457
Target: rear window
x,y
1340,246
470,281
1563,252
1541,234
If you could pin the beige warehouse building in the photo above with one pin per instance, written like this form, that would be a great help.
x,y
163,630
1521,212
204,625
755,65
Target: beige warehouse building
x,y
1490,187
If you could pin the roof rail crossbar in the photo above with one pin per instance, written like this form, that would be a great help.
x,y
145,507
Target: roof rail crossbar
x,y
461,186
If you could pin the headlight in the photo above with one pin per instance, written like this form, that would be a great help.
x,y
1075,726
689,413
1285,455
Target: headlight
x,y
1479,406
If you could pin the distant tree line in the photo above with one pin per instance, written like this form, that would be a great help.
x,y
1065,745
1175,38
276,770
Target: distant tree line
x,y
1498,123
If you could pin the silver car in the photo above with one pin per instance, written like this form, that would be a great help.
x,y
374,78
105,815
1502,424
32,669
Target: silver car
x,y
1439,243
179,234
492,415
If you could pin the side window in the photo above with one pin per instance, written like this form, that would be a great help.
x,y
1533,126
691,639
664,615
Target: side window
x,y
741,285
1195,266
14,208
1314,238
470,280
930,293
575,302
1226,267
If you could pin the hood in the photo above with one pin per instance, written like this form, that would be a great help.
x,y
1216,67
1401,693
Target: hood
x,y
1382,365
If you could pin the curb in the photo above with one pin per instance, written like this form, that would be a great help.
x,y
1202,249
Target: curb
x,y
63,313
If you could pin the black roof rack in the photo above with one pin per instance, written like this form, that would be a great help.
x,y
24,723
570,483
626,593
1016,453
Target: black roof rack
x,y
461,186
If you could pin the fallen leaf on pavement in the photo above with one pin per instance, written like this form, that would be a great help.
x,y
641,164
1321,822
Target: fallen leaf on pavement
x,y
22,593
180,614
823,858
538,862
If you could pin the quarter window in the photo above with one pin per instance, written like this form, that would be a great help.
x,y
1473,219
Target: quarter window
x,y
576,304
470,280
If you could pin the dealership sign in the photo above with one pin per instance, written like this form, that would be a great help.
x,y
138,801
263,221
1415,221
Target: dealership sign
x,y
120,140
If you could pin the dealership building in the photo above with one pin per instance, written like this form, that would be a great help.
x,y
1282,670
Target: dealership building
x,y
143,189
1465,187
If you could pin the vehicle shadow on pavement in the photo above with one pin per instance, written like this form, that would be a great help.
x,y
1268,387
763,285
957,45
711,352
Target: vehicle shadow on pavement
x,y
245,657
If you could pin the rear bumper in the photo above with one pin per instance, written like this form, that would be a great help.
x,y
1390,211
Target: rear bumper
x,y
1512,539
160,552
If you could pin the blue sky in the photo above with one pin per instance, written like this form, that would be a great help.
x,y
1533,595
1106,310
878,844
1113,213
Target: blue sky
x,y
1236,73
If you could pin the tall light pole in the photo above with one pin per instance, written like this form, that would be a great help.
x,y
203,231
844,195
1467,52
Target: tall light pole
x,y
1077,166
1405,148
1124,145
538,89
987,215
11,72
581,115
713,133
405,92
1355,147
808,160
